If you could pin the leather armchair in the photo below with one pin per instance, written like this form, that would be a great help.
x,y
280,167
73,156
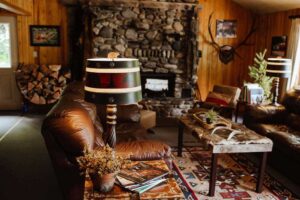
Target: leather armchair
x,y
222,99
73,124
281,124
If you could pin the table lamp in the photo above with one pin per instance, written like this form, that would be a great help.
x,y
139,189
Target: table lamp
x,y
278,68
112,81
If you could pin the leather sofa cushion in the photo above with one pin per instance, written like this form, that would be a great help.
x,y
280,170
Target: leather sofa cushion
x,y
264,114
72,125
291,101
293,120
125,113
283,136
143,150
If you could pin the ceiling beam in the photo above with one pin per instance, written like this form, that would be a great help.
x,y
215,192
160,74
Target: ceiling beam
x,y
12,8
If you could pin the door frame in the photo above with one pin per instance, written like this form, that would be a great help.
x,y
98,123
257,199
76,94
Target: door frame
x,y
16,96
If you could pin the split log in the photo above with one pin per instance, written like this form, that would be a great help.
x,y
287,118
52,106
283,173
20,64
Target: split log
x,y
54,75
35,99
55,68
40,76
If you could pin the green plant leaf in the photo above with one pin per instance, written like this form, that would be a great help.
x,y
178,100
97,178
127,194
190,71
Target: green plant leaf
x,y
257,72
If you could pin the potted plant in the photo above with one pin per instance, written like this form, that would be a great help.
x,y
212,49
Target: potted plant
x,y
211,116
102,165
258,72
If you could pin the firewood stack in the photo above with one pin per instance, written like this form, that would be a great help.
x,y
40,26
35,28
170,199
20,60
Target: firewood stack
x,y
41,84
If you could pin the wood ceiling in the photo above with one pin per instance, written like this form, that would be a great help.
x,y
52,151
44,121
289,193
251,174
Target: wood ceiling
x,y
269,6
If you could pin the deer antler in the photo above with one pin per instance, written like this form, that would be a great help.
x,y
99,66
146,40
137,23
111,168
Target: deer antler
x,y
213,42
252,30
227,52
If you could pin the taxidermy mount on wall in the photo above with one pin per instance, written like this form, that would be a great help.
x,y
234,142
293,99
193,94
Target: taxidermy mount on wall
x,y
227,52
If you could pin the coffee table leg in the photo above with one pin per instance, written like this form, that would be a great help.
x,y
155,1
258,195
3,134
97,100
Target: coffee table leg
x,y
180,138
213,174
261,172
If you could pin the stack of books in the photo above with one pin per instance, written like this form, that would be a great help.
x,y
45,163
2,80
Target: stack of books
x,y
141,177
252,93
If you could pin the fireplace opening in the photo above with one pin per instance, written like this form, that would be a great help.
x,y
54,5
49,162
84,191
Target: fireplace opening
x,y
158,85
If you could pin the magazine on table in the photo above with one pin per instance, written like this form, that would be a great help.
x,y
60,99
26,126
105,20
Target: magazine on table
x,y
141,177
140,188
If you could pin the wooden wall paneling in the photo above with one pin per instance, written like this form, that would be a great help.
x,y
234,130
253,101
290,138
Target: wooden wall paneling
x,y
42,12
210,70
274,24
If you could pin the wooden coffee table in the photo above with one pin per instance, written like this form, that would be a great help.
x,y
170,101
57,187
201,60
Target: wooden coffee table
x,y
168,190
249,142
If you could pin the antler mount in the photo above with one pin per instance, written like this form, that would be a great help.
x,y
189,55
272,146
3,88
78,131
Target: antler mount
x,y
227,52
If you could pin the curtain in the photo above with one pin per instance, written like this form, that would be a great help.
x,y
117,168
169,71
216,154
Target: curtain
x,y
294,52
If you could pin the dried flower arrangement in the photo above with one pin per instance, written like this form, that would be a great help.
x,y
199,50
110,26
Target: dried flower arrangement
x,y
101,161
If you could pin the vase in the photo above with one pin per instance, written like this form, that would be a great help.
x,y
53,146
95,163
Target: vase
x,y
103,183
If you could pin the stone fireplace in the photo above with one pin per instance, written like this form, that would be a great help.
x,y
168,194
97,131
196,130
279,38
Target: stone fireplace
x,y
162,34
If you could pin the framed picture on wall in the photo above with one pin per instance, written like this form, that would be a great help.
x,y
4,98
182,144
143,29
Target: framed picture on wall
x,y
226,28
279,46
41,35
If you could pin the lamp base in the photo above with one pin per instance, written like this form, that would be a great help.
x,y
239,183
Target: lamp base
x,y
275,91
110,134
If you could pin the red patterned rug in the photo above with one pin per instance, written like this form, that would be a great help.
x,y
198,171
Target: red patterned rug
x,y
236,177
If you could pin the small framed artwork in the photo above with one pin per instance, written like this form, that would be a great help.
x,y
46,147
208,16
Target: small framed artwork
x,y
226,28
41,35
279,45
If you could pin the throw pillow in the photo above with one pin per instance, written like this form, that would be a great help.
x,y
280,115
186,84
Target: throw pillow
x,y
218,98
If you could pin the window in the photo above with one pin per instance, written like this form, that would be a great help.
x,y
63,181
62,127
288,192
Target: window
x,y
294,52
296,73
5,46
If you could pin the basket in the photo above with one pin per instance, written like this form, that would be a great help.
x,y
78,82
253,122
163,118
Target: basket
x,y
199,117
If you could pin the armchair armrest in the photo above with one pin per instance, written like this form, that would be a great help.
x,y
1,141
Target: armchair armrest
x,y
264,114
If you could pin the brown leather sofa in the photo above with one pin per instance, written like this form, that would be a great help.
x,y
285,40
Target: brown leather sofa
x,y
73,124
282,125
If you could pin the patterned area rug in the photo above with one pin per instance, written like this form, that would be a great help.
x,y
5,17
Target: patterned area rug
x,y
236,177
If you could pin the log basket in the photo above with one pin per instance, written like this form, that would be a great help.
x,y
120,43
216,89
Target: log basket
x,y
41,84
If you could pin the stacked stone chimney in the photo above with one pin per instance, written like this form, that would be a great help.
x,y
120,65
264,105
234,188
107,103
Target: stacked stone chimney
x,y
161,34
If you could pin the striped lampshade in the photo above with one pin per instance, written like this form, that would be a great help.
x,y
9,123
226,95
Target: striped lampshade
x,y
113,81
279,67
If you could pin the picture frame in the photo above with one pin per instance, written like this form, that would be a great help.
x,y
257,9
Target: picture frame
x,y
279,46
226,28
44,35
